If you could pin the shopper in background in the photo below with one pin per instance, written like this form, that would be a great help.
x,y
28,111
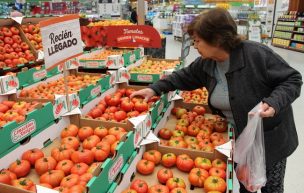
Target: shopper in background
x,y
238,75
15,12
134,16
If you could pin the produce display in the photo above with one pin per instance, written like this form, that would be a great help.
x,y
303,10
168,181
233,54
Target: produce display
x,y
170,173
154,67
32,33
194,129
13,50
111,23
15,111
197,96
49,89
119,107
103,55
70,165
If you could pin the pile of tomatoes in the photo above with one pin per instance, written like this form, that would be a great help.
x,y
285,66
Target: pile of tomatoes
x,y
194,130
119,107
71,165
32,33
15,111
202,173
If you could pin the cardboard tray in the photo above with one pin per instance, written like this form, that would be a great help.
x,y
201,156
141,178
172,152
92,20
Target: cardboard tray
x,y
128,173
13,134
49,138
151,78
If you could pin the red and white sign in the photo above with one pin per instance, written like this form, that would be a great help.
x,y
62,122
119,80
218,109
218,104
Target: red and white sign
x,y
133,36
61,39
115,169
23,131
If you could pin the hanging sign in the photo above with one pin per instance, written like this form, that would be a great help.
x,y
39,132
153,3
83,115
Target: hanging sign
x,y
133,36
61,39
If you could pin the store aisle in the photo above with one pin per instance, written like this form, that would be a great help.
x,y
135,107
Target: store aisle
x,y
294,171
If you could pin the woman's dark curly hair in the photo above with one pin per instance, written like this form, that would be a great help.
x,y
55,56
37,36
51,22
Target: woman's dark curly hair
x,y
217,28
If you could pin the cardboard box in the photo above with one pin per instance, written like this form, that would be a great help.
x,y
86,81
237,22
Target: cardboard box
x,y
128,173
150,77
49,138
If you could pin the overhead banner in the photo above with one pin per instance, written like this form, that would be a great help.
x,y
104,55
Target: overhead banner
x,y
61,39
133,36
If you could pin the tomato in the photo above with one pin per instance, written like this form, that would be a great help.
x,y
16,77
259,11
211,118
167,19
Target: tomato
x,y
190,140
85,132
10,104
194,147
145,167
202,136
61,153
93,167
5,177
220,126
33,188
32,155
116,130
95,112
178,190
203,163
178,133
70,131
86,177
79,169
141,106
178,143
163,175
152,155
215,135
20,167
197,177
168,160
129,191
113,147
85,156
65,166
214,183
209,124
217,172
218,142
158,189
120,115
3,108
90,142
218,163
52,177
101,151
77,189
110,139
200,110
23,183
112,100
193,130
71,141
120,135
70,180
139,186
127,106
45,164
165,133
61,189
184,163
183,122
101,132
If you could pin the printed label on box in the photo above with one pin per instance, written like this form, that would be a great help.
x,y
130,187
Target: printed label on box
x,y
39,75
60,107
9,83
160,108
142,53
74,101
96,91
145,78
132,58
115,169
92,64
60,67
136,138
23,131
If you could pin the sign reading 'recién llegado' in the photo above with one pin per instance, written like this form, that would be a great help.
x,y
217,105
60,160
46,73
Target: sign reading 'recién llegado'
x,y
61,39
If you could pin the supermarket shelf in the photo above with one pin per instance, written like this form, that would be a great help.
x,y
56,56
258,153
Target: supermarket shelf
x,y
294,40
280,46
288,47
281,38
300,26
296,49
298,32
285,25
287,20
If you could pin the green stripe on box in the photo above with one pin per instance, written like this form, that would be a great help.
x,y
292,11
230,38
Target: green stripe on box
x,y
230,184
125,168
230,167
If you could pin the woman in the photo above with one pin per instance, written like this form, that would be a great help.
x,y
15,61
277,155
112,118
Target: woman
x,y
238,75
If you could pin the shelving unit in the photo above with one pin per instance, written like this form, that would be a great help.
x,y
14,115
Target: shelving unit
x,y
289,32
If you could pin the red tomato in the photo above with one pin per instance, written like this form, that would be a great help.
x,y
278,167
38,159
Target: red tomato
x,y
86,177
79,169
90,142
168,160
32,155
165,133
217,172
61,189
70,180
214,183
77,189
52,177
203,163
85,132
23,183
193,130
45,164
158,189
145,167
129,191
85,156
197,177
101,132
127,106
71,141
65,166
218,163
61,153
178,190
163,175
120,115
70,131
20,167
110,139
152,155
184,163
139,186
116,130
141,106
5,177
101,151
200,110
175,183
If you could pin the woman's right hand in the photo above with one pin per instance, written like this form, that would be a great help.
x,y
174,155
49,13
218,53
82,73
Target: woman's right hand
x,y
147,93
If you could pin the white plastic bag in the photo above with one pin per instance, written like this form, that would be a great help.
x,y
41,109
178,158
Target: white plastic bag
x,y
250,153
